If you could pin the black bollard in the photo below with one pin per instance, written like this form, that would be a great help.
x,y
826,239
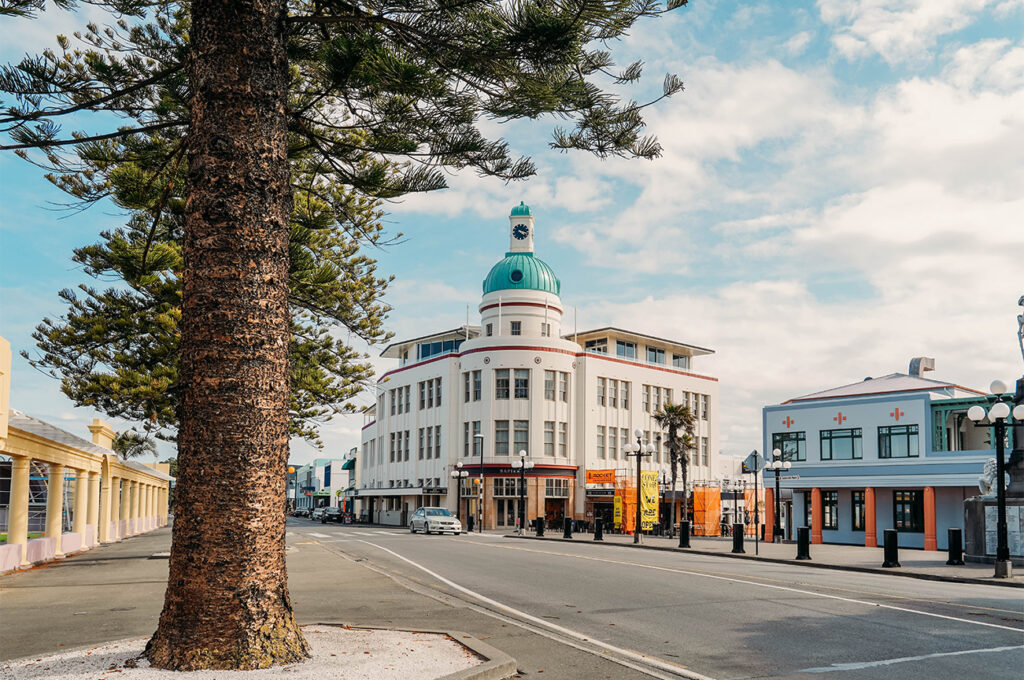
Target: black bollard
x,y
598,530
737,538
540,526
956,547
803,543
684,534
567,530
892,550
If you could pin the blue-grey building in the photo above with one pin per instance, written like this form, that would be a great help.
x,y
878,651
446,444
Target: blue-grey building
x,y
893,452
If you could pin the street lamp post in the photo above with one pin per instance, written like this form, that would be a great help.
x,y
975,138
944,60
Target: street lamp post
x,y
997,414
458,475
523,465
639,450
479,440
778,465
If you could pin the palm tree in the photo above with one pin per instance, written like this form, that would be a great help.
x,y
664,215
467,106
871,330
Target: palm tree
x,y
133,444
679,421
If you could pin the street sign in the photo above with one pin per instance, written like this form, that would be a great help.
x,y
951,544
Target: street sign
x,y
790,477
753,463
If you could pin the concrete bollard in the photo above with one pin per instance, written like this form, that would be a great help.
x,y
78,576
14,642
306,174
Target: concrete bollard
x,y
956,547
598,530
803,543
892,550
567,528
684,534
540,526
737,538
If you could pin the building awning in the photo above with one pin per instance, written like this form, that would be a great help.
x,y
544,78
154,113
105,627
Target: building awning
x,y
321,494
349,464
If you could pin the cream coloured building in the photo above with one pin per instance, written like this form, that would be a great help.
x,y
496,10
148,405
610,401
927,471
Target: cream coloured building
x,y
477,395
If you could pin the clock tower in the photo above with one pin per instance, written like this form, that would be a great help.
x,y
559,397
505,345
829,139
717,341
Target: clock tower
x,y
520,229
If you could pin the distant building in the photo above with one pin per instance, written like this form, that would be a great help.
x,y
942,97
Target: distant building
x,y
894,452
477,395
313,485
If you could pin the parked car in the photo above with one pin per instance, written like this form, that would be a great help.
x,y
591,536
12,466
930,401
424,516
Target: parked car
x,y
301,512
430,520
331,514
316,514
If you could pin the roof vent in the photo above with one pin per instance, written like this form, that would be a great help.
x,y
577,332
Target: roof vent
x,y
919,365
867,378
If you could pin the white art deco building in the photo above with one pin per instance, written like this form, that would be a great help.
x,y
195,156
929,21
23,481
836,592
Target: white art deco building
x,y
478,395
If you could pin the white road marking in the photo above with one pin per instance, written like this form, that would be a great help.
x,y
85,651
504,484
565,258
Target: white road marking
x,y
318,535
643,658
856,666
392,533
766,585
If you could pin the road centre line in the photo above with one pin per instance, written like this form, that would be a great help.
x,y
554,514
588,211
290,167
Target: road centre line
x,y
860,665
764,585
636,656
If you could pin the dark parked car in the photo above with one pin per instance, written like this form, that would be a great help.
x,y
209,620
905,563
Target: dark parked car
x,y
332,514
301,512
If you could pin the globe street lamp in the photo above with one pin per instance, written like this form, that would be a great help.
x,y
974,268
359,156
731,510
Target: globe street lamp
x,y
639,450
458,475
478,439
997,414
778,465
522,465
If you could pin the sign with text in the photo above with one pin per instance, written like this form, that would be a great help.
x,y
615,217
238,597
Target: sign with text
x,y
648,499
617,512
600,476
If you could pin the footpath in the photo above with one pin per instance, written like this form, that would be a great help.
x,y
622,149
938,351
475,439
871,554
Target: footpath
x,y
116,591
922,564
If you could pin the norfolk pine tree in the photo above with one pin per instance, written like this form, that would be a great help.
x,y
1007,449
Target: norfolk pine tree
x,y
391,93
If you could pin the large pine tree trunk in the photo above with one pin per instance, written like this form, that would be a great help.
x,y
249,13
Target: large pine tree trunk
x,y
227,603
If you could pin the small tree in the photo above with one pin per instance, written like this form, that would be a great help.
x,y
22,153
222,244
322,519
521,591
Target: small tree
x,y
679,421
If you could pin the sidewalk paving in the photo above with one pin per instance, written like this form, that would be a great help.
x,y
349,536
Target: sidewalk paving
x,y
924,564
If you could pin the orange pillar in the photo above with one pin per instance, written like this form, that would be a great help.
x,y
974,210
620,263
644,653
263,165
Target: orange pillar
x,y
816,515
870,532
929,519
769,515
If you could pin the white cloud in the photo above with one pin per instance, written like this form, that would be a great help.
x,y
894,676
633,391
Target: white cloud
x,y
798,43
898,30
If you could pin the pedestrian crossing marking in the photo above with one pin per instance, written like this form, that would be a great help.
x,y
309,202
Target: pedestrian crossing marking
x,y
318,535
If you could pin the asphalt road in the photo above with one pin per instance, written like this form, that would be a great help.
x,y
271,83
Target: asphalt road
x,y
674,615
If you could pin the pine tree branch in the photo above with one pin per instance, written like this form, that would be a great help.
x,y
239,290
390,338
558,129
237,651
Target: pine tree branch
x,y
42,144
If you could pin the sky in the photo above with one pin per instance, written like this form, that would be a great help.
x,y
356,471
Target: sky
x,y
841,189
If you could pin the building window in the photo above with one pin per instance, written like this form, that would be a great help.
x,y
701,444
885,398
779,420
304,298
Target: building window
x,y
549,385
704,399
522,436
600,441
657,449
841,444
437,441
465,440
500,437
908,510
792,444
556,488
601,387
563,438
517,327
545,330
477,379
501,383
437,391
645,399
613,393
624,394
420,450
808,515
549,438
655,355
857,506
391,400
704,451
897,441
423,395
626,350
490,329
478,442
465,386
657,399
829,509
522,377
613,445
680,361
405,445
563,386
599,346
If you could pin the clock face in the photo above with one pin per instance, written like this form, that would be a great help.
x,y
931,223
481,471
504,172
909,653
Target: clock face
x,y
520,231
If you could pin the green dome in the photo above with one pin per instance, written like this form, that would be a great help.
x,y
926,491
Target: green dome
x,y
522,271
521,209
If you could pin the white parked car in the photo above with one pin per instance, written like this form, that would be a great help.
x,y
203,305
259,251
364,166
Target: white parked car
x,y
430,520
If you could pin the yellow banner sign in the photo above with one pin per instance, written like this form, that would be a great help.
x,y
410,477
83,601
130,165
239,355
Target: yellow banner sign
x,y
617,512
600,476
648,499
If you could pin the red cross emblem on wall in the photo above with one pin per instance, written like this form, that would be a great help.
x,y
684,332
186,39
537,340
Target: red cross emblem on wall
x,y
897,413
788,421
840,418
